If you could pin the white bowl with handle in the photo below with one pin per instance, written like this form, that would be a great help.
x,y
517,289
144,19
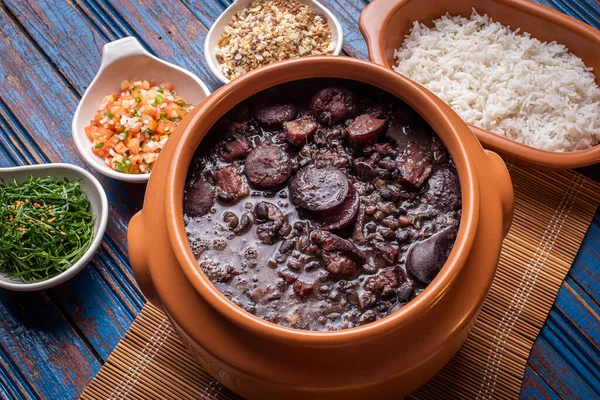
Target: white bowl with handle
x,y
217,29
98,207
127,59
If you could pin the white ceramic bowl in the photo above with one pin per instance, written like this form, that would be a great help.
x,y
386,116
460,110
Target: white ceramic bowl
x,y
98,207
215,32
126,59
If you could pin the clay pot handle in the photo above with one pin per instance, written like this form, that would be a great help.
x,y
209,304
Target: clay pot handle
x,y
137,240
372,23
503,184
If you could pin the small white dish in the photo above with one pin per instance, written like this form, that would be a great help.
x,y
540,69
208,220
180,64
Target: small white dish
x,y
98,207
217,29
127,59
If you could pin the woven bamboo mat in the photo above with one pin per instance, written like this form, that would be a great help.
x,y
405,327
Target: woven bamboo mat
x,y
552,213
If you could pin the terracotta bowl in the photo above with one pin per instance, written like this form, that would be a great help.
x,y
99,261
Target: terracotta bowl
x,y
261,360
384,23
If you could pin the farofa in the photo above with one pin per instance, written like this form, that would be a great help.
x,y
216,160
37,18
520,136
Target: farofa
x,y
272,30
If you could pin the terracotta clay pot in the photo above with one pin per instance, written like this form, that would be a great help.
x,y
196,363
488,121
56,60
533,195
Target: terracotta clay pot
x,y
384,24
261,360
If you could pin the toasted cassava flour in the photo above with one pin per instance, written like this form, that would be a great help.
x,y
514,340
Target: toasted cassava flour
x,y
504,81
268,31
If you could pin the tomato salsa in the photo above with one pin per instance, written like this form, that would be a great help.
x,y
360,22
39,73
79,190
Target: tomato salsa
x,y
131,127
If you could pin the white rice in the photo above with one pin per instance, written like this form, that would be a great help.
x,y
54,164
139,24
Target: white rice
x,y
533,92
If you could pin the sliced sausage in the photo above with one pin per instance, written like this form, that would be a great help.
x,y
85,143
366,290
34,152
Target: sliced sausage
x,y
341,216
318,189
273,116
414,165
425,259
199,198
333,104
365,129
268,167
300,131
443,190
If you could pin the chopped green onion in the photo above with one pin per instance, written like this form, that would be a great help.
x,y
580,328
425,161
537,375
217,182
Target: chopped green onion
x,y
138,100
180,102
158,99
109,114
99,145
150,131
163,115
159,90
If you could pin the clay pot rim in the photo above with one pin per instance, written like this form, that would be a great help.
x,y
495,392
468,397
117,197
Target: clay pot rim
x,y
373,24
435,112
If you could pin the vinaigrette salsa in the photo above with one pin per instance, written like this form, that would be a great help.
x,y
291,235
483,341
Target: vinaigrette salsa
x,y
131,127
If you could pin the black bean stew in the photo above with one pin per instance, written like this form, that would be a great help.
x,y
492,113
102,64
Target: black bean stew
x,y
322,205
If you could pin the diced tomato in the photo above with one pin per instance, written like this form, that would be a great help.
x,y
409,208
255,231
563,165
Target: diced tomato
x,y
165,127
99,116
135,128
133,145
150,146
109,144
89,132
120,148
174,111
149,110
95,132
117,111
149,158
124,114
151,124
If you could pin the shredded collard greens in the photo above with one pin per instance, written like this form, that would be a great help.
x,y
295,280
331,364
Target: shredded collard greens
x,y
45,227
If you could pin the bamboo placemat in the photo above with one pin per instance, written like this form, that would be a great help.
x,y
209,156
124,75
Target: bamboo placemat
x,y
552,213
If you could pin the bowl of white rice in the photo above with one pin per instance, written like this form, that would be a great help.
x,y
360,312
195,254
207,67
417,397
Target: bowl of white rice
x,y
524,77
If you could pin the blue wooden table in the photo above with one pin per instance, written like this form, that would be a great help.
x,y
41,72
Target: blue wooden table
x,y
53,342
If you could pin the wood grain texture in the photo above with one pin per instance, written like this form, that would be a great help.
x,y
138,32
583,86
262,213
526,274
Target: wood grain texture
x,y
50,52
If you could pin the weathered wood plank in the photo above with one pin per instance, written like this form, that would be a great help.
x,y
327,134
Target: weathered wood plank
x,y
11,388
208,11
585,269
49,354
347,12
168,29
559,367
535,388
64,36
583,313
587,10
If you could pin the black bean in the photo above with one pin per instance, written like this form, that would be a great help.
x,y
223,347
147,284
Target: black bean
x,y
231,219
245,224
